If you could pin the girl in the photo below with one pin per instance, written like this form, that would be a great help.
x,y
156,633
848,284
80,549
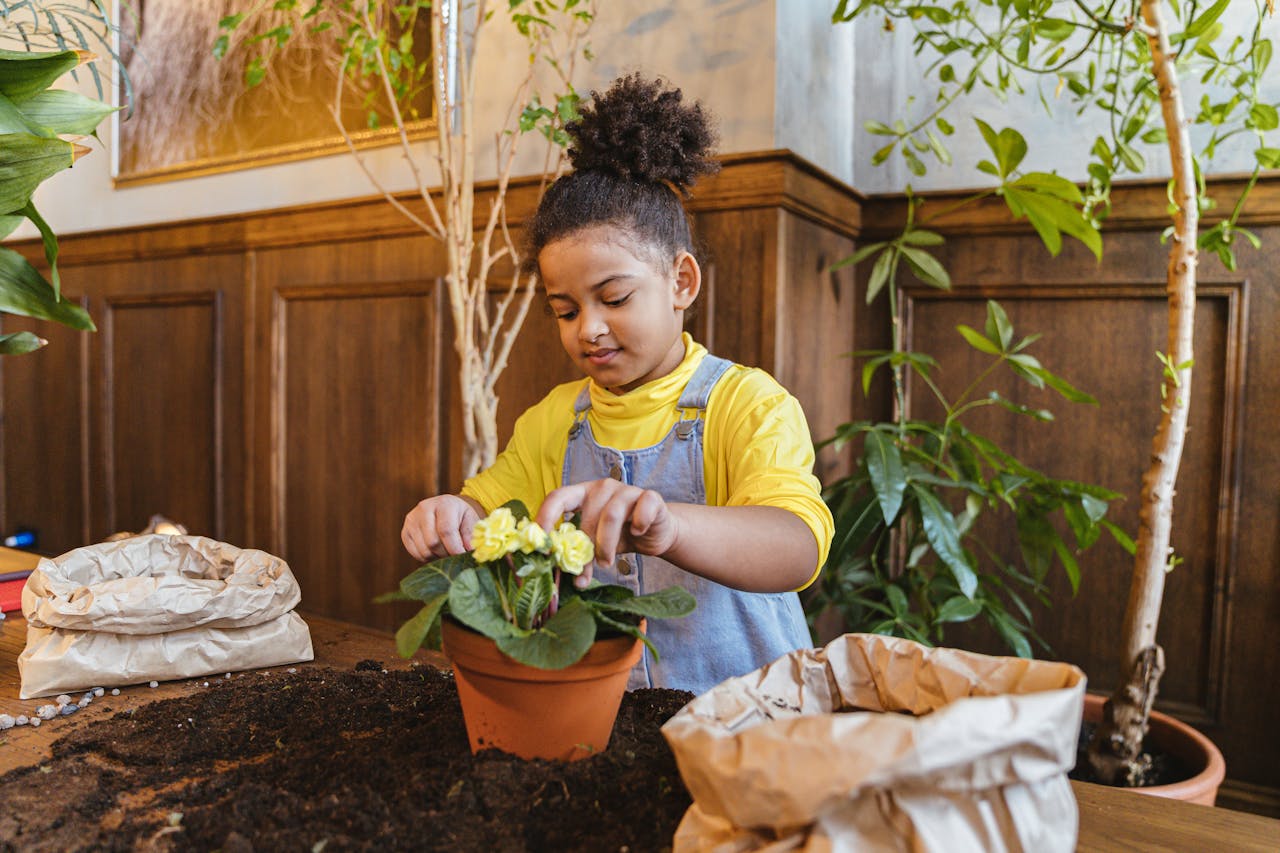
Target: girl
x,y
687,469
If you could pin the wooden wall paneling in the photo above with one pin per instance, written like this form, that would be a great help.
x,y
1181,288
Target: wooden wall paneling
x,y
740,247
816,312
44,436
167,394
1251,692
349,402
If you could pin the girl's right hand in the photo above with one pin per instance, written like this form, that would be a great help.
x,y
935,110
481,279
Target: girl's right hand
x,y
439,527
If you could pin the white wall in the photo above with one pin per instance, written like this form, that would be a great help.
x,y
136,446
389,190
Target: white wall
x,y
1060,143
815,111
718,51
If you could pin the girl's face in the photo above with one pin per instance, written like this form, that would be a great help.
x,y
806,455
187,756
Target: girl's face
x,y
620,315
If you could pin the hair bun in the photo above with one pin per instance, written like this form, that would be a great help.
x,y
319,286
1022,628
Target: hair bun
x,y
640,131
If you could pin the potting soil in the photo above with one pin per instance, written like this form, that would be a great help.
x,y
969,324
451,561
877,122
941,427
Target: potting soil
x,y
328,760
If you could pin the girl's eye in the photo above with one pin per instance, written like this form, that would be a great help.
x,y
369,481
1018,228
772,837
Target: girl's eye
x,y
566,315
614,303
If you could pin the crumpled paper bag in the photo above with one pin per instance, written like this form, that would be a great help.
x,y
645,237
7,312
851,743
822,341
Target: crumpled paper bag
x,y
875,743
157,607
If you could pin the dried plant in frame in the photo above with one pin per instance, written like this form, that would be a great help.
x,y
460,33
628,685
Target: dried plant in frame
x,y
193,114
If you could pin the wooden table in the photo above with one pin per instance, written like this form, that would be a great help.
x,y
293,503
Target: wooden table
x,y
1110,819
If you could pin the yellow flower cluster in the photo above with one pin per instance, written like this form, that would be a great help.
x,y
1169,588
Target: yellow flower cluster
x,y
499,534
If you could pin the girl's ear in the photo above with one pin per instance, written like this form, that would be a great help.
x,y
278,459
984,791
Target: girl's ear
x,y
688,281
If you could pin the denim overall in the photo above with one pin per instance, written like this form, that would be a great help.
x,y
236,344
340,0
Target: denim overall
x,y
731,632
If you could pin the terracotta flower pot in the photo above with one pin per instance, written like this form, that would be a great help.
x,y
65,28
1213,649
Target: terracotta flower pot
x,y
563,714
1180,740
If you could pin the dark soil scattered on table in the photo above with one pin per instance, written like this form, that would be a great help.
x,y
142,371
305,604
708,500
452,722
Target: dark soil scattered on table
x,y
329,760
1164,769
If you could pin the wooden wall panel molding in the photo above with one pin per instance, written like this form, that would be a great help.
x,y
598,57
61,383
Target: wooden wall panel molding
x,y
767,179
1212,460
162,398
354,413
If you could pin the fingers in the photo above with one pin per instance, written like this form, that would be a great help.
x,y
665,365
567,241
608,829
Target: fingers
x,y
558,502
438,527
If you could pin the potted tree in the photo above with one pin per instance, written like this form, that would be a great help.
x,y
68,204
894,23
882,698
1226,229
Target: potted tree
x,y
1123,64
540,665
375,54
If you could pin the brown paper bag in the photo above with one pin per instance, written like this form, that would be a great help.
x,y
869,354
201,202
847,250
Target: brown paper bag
x,y
879,744
157,607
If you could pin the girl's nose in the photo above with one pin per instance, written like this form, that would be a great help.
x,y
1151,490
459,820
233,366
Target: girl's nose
x,y
592,327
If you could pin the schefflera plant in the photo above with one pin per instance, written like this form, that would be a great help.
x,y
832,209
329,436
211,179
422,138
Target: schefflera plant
x,y
909,557
516,587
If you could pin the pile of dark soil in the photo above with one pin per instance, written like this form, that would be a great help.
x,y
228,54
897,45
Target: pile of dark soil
x,y
329,760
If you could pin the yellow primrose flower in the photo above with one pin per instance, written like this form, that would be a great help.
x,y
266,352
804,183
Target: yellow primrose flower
x,y
572,548
494,536
531,537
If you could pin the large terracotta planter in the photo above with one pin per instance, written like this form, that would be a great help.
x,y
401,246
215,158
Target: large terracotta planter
x,y
1192,748
563,714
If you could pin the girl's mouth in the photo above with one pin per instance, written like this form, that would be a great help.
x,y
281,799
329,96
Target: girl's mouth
x,y
602,356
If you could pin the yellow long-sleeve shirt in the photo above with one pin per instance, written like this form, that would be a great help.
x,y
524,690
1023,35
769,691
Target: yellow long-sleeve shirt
x,y
757,450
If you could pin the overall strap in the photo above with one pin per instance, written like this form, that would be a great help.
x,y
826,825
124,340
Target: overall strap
x,y
705,376
581,406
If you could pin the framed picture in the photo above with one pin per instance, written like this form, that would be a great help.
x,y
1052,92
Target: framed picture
x,y
194,114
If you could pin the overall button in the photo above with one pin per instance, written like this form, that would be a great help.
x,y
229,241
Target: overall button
x,y
624,567
615,471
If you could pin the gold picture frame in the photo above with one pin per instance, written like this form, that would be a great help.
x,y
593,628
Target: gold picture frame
x,y
192,116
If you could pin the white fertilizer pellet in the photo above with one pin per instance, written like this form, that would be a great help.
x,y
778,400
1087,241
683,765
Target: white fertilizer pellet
x,y
98,691
22,719
35,722
155,684
115,691
64,699
47,712
7,722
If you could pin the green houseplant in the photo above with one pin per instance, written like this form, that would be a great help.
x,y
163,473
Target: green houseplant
x,y
524,640
39,126
1122,65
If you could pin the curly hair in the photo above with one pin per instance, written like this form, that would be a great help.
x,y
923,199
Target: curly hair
x,y
636,151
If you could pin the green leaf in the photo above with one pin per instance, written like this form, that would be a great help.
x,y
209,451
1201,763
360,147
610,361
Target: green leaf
x,y
9,223
1010,633
1052,185
64,111
50,241
1062,386
999,329
1069,563
435,577
927,267
20,343
897,601
474,601
856,257
562,642
1123,539
533,598
940,530
668,603
880,273
977,340
518,509
921,237
24,75
1095,508
1019,408
414,632
1264,117
24,291
1008,146
25,162
884,465
1206,20
958,609
14,120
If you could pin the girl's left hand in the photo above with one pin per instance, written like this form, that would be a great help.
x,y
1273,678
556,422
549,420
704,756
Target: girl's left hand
x,y
618,518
